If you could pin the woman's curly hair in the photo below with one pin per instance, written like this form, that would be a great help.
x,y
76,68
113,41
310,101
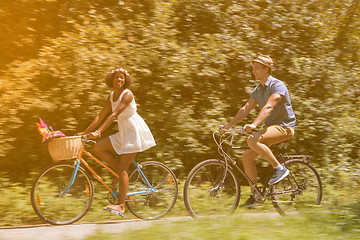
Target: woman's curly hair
x,y
116,73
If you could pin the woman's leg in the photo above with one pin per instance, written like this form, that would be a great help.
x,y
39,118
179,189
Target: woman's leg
x,y
124,163
122,169
102,150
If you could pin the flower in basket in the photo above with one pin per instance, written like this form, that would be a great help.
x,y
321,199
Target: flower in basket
x,y
46,132
42,127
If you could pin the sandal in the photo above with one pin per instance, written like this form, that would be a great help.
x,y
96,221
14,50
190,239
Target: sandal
x,y
114,211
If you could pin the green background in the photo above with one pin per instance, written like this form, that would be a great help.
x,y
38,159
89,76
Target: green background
x,y
191,61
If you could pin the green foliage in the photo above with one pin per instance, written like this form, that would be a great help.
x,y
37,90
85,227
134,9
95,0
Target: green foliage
x,y
15,206
191,62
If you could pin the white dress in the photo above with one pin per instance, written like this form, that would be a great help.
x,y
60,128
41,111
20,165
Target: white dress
x,y
134,135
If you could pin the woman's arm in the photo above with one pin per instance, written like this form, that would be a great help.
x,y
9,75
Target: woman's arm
x,y
125,101
100,117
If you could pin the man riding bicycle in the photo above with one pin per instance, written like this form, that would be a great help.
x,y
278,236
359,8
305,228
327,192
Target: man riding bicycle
x,y
276,111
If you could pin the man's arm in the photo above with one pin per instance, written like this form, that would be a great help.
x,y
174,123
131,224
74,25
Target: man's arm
x,y
242,113
273,100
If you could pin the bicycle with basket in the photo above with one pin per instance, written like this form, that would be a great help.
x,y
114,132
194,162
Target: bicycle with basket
x,y
64,191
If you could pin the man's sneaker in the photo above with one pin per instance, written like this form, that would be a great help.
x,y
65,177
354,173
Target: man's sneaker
x,y
250,203
279,175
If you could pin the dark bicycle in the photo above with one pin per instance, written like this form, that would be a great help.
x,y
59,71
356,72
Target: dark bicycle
x,y
214,186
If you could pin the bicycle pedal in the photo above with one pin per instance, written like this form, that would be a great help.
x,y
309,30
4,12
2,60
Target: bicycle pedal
x,y
117,213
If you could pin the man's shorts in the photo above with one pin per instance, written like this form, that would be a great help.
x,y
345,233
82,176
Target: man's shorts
x,y
275,134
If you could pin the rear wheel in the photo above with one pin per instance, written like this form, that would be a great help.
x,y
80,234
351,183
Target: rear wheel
x,y
152,192
206,192
299,191
52,201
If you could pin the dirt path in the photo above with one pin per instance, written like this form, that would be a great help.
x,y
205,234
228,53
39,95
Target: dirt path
x,y
76,231
79,231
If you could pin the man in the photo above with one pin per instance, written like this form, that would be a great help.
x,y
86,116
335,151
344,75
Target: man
x,y
276,111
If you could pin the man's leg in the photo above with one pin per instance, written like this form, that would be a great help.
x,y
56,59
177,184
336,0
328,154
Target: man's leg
x,y
263,139
260,142
248,160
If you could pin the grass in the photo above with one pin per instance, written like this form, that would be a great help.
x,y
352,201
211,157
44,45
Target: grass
x,y
337,218
316,225
16,209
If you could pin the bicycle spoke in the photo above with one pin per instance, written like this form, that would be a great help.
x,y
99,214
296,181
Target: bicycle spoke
x,y
204,192
302,189
51,203
160,200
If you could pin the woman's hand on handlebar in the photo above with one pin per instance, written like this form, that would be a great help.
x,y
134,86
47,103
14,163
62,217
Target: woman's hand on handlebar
x,y
91,135
94,135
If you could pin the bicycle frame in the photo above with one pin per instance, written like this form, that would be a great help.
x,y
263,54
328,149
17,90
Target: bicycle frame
x,y
228,159
96,175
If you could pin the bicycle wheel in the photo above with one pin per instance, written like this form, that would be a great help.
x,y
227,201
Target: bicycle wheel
x,y
51,203
205,192
300,190
155,201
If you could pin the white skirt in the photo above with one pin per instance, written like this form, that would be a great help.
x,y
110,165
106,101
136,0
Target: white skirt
x,y
133,136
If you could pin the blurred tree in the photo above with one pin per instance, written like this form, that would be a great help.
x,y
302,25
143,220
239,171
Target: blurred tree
x,y
191,61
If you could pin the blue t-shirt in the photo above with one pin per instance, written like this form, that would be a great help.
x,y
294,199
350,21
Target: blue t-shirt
x,y
283,114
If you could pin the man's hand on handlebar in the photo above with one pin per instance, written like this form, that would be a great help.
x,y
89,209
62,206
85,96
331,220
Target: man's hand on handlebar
x,y
249,128
223,128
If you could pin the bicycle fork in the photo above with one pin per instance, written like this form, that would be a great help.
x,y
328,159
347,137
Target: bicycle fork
x,y
72,179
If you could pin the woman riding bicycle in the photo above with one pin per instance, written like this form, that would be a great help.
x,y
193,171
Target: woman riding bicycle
x,y
134,135
276,110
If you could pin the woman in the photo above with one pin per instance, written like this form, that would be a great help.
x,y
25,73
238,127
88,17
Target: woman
x,y
134,135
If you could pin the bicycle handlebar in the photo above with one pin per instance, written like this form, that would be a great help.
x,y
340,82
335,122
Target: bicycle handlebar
x,y
225,135
85,137
232,130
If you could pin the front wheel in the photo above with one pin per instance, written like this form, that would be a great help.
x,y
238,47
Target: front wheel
x,y
53,200
209,190
152,191
299,191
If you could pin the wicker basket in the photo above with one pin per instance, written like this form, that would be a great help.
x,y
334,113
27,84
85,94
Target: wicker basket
x,y
65,148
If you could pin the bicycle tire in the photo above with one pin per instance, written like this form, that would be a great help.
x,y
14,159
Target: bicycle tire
x,y
48,200
155,204
204,195
301,190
